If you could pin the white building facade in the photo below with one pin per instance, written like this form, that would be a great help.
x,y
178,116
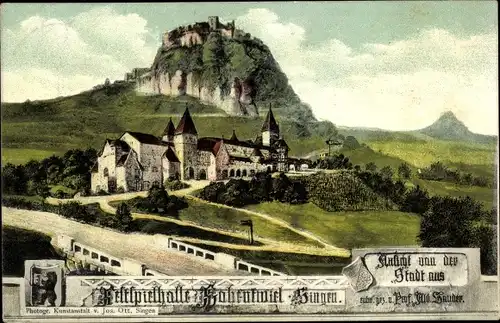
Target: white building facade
x,y
137,161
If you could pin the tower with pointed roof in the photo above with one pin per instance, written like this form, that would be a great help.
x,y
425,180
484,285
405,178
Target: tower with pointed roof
x,y
169,132
186,142
270,129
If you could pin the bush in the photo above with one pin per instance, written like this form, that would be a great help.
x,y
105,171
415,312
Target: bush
x,y
342,192
415,201
124,217
174,185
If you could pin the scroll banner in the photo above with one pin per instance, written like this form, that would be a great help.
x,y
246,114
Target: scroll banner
x,y
388,280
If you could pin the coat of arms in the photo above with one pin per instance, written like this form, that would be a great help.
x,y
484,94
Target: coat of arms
x,y
358,275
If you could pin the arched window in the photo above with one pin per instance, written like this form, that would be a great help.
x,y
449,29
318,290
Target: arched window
x,y
231,173
244,173
154,169
203,174
252,172
106,172
238,173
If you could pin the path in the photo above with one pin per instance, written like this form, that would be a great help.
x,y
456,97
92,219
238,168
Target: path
x,y
196,185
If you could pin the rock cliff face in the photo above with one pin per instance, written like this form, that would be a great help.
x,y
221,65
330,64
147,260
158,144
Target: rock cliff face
x,y
239,101
237,74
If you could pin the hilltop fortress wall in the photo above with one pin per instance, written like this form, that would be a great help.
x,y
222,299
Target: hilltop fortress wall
x,y
196,34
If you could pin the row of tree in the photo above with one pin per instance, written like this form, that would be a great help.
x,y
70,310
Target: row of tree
x,y
261,188
70,170
439,172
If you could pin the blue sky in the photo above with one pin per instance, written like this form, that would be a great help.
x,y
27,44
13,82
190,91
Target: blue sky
x,y
393,65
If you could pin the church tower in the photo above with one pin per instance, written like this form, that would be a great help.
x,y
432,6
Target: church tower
x,y
186,146
169,132
270,129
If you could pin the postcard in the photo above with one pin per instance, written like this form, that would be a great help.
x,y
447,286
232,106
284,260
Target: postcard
x,y
279,161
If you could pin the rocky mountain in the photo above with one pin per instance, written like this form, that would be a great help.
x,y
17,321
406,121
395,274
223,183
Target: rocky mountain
x,y
222,66
449,127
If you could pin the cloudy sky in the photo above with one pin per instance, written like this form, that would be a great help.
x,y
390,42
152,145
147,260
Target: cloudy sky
x,y
391,65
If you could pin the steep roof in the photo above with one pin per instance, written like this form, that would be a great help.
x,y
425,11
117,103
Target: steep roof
x,y
257,152
115,143
122,160
210,144
281,143
170,129
186,125
171,156
146,138
270,123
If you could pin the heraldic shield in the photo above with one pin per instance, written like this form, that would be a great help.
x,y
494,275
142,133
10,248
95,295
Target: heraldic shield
x,y
44,282
358,275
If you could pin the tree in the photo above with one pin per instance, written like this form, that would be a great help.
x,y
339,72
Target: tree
x,y
351,142
386,172
124,217
404,171
448,222
158,199
14,179
371,167
415,201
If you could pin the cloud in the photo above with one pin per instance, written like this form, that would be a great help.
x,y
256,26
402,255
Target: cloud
x,y
45,83
402,85
69,54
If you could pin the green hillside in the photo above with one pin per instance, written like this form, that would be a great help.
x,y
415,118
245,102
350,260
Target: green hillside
x,y
35,130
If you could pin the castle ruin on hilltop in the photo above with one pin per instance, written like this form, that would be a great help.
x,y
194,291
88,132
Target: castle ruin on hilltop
x,y
236,98
197,33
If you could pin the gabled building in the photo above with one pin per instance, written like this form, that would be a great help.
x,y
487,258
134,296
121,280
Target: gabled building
x,y
136,161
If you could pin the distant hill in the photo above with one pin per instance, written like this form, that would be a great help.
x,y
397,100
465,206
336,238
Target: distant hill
x,y
449,127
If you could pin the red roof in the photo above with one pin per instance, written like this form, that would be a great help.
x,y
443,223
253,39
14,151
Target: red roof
x,y
186,125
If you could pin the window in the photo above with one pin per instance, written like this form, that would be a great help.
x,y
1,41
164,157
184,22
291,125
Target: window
x,y
115,263
85,252
104,259
78,248
106,172
244,173
95,255
238,173
154,169
231,173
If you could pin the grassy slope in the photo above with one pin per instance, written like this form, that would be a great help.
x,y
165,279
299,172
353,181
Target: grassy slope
x,y
349,229
481,194
228,219
42,128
